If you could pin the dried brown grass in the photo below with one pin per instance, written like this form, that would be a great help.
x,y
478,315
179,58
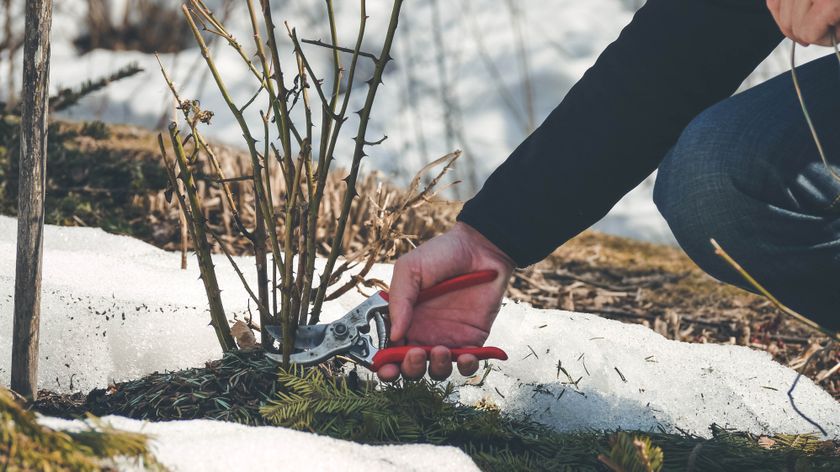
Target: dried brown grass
x,y
387,220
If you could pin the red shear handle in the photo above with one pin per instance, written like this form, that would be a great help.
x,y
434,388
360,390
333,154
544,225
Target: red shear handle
x,y
395,355
451,285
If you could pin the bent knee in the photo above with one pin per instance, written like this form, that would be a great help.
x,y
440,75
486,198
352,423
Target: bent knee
x,y
697,177
698,194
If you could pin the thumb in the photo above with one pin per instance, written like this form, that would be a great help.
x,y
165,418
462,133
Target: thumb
x,y
405,285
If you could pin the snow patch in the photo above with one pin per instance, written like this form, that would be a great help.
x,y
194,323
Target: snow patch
x,y
207,446
630,377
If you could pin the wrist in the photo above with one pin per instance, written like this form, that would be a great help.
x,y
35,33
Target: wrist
x,y
485,248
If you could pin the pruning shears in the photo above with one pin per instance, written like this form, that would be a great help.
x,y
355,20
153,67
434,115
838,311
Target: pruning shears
x,y
350,335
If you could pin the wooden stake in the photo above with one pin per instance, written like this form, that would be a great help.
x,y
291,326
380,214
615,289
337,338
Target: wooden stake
x,y
33,163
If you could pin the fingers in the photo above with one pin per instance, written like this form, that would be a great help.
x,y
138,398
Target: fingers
x,y
440,363
786,17
405,285
413,366
467,364
388,372
806,21
798,13
816,22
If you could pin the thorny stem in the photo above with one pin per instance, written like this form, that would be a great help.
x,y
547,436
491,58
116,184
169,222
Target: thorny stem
x,y
316,188
301,207
235,266
260,250
264,78
281,118
358,153
214,161
267,341
298,308
261,262
206,16
202,248
292,288
337,48
265,211
280,100
283,125
302,58
325,159
243,125
289,228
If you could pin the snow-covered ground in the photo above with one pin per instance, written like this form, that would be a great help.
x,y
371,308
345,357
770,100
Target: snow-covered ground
x,y
486,98
115,308
210,446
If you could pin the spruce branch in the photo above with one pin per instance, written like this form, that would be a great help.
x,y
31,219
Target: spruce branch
x,y
68,97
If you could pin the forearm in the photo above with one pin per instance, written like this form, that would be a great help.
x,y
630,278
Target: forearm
x,y
614,127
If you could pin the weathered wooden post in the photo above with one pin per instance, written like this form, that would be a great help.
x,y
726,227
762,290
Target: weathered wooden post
x,y
33,160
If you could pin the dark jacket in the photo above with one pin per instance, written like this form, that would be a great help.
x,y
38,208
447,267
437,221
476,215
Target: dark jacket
x,y
676,58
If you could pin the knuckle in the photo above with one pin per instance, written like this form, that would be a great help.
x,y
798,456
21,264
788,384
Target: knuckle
x,y
408,268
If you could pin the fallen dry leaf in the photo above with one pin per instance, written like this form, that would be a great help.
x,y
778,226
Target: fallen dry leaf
x,y
243,335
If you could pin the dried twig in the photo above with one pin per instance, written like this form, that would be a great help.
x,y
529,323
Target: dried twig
x,y
807,115
760,288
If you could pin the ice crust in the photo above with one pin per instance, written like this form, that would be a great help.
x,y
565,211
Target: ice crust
x,y
626,375
207,446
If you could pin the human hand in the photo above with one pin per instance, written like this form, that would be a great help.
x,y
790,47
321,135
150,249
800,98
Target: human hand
x,y
807,21
459,319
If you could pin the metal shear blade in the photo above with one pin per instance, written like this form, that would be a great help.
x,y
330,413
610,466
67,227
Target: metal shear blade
x,y
351,335
348,335
306,337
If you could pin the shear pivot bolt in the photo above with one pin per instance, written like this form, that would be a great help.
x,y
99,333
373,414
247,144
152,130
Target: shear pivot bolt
x,y
340,330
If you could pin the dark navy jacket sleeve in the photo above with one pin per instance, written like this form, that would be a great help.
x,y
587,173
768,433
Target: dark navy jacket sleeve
x,y
676,58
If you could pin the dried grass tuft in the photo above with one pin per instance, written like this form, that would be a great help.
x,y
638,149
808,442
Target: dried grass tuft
x,y
26,445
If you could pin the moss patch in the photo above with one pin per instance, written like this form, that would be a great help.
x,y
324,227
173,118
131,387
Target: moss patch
x,y
97,175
